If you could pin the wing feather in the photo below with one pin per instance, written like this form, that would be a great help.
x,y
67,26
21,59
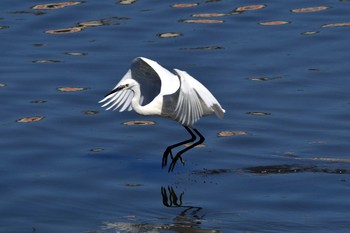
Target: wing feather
x,y
112,99
115,100
194,101
150,75
188,109
121,98
127,105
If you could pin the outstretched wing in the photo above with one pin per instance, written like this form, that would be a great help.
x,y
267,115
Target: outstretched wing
x,y
147,73
120,98
153,80
162,80
194,101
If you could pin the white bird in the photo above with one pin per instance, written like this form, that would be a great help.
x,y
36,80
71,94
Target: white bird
x,y
150,89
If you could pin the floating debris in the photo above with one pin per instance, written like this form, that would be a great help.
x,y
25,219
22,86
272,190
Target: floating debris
x,y
82,25
314,69
184,5
92,23
30,119
3,85
133,185
97,149
263,78
38,101
210,21
231,133
64,30
71,89
204,48
53,6
37,13
310,33
249,8
310,9
46,61
90,112
259,113
274,23
169,35
4,27
127,2
317,142
198,146
139,123
76,53
209,15
39,45
347,24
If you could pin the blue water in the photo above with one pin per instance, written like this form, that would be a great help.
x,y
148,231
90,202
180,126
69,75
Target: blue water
x,y
78,172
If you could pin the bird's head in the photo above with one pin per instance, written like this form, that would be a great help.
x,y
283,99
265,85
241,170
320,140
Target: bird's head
x,y
125,85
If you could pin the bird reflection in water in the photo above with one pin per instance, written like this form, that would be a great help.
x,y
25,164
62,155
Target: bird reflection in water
x,y
189,219
150,89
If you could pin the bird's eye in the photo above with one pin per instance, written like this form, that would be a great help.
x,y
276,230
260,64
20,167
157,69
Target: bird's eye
x,y
126,85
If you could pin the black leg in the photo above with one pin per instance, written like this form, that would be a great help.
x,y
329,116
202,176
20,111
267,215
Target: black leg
x,y
168,151
178,155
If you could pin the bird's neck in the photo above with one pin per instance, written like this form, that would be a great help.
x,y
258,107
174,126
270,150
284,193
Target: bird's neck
x,y
142,110
135,102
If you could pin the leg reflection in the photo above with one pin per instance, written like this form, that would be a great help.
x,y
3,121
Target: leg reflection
x,y
189,216
172,200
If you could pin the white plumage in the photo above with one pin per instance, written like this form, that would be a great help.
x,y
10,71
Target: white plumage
x,y
150,89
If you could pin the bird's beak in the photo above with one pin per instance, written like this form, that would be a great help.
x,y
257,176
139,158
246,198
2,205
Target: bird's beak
x,y
121,87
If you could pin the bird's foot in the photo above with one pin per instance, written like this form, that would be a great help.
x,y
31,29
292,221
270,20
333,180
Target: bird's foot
x,y
182,161
174,160
168,152
173,163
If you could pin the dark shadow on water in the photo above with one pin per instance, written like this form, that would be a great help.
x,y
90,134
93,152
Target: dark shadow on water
x,y
207,172
294,168
276,169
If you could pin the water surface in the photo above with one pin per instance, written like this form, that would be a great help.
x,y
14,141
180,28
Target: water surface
x,y
280,69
